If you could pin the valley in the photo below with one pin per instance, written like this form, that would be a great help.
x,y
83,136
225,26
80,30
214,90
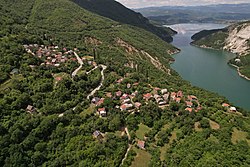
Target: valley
x,y
83,85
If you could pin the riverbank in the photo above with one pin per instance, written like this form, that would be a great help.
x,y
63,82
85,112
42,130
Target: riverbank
x,y
238,70
237,67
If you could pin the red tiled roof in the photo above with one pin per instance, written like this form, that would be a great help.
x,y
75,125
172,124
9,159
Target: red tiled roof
x,y
141,144
119,93
225,105
188,103
179,94
189,109
137,105
58,78
148,95
101,109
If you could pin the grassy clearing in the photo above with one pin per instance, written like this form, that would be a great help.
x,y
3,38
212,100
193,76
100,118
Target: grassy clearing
x,y
167,146
197,127
214,125
213,139
238,135
88,111
143,129
142,158
7,84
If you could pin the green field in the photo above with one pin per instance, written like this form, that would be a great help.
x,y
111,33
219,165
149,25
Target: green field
x,y
143,129
142,158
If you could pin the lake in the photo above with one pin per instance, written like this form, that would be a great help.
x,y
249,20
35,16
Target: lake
x,y
207,68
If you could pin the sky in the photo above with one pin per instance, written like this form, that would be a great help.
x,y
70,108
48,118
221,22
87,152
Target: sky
x,y
148,3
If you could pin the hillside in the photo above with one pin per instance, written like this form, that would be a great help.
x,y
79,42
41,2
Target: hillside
x,y
79,89
116,11
234,38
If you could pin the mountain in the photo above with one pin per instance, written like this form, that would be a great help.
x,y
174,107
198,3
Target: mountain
x,y
234,38
79,89
201,14
116,11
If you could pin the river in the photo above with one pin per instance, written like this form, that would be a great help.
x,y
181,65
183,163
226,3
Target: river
x,y
208,68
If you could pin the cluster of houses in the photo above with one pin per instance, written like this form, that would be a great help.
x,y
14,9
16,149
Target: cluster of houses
x,y
52,55
229,108
161,96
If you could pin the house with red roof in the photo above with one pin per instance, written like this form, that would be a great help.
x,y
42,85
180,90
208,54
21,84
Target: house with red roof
x,y
137,105
173,95
141,144
102,112
118,93
189,104
147,96
225,105
189,109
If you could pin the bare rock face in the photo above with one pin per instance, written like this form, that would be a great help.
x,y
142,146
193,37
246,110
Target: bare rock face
x,y
238,39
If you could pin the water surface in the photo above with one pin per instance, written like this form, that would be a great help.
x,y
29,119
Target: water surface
x,y
208,68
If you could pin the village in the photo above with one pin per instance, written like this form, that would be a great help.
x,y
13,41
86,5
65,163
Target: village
x,y
55,56
162,97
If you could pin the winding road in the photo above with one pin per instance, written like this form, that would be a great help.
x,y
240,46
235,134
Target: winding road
x,y
100,85
80,62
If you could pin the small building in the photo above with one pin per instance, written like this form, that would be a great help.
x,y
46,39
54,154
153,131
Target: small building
x,y
125,107
53,60
97,134
102,112
128,85
31,109
180,94
95,100
189,104
162,103
126,101
164,91
156,96
58,79
237,60
147,96
178,100
125,96
189,109
141,144
118,93
100,102
233,109
192,98
166,97
173,95
137,105
225,105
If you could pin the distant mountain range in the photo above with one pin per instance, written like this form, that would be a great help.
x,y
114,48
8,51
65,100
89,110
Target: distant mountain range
x,y
117,12
187,14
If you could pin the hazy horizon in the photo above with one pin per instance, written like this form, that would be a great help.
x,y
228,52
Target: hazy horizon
x,y
158,3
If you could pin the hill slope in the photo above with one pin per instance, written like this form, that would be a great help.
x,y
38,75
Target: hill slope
x,y
234,38
47,119
116,11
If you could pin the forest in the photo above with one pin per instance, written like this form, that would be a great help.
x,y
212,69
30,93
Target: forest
x,y
59,129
